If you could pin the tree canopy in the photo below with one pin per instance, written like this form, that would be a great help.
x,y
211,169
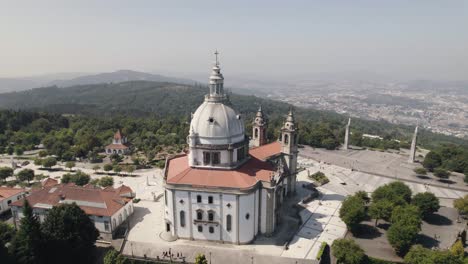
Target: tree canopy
x,y
427,203
70,234
346,251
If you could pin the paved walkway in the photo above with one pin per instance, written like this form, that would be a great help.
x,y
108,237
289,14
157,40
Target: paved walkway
x,y
383,164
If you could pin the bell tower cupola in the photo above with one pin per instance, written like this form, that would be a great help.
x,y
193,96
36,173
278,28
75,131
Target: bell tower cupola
x,y
289,141
259,127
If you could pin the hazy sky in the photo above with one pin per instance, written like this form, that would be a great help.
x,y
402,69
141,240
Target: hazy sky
x,y
403,39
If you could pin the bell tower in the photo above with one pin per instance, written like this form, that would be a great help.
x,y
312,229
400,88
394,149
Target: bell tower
x,y
289,140
259,127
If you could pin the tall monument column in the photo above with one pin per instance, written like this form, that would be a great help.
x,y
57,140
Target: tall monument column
x,y
412,155
346,139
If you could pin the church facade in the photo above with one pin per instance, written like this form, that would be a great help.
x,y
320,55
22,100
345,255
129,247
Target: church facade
x,y
222,190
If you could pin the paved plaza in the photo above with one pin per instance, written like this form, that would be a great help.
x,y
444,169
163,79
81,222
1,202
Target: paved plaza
x,y
349,171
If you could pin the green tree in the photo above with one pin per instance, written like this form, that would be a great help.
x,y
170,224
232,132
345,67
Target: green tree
x,y
5,172
26,175
201,259
432,161
49,162
10,150
114,257
79,178
115,158
427,203
352,211
461,204
106,181
363,195
395,192
19,150
407,214
70,234
70,164
380,210
7,232
43,153
346,251
108,167
401,236
418,255
27,244
441,173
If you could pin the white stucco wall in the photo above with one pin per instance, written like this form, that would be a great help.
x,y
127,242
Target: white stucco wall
x,y
263,209
230,236
246,224
4,205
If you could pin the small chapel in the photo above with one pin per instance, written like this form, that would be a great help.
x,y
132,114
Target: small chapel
x,y
119,144
222,190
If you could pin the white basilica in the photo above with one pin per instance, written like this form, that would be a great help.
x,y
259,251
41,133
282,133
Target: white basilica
x,y
222,190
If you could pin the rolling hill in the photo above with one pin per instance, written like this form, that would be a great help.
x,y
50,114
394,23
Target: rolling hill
x,y
147,98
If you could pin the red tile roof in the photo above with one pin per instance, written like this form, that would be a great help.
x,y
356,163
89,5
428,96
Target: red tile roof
x,y
265,151
116,146
254,170
101,202
244,177
49,182
7,192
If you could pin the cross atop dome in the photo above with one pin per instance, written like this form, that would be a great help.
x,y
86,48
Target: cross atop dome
x,y
216,54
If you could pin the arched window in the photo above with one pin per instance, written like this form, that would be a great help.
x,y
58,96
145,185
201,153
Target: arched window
x,y
211,229
200,228
286,139
210,216
256,133
199,215
120,219
228,222
182,218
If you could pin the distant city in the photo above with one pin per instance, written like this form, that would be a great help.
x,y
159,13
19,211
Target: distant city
x,y
441,107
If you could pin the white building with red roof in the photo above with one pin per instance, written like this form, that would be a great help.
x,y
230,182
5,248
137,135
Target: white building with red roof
x,y
222,190
108,208
119,144
9,195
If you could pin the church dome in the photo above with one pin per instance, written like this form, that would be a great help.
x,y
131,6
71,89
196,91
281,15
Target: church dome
x,y
215,123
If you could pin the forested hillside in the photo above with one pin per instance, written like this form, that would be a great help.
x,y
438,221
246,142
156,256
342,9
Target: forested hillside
x,y
136,104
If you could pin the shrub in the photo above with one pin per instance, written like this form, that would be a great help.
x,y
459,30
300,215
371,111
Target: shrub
x,y
321,250
441,173
106,181
346,251
420,171
319,177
